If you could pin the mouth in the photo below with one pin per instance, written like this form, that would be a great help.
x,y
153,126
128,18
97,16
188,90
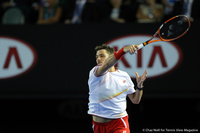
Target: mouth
x,y
99,63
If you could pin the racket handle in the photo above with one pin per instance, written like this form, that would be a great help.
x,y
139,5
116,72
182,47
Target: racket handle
x,y
140,46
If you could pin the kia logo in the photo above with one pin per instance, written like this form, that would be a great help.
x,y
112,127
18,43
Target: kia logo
x,y
16,57
158,58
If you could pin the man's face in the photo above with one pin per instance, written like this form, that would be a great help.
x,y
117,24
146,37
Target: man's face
x,y
101,56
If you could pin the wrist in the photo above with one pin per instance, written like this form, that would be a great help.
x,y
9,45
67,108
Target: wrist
x,y
139,88
119,54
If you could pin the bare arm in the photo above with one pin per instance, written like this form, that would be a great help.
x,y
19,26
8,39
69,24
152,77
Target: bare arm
x,y
111,60
50,20
56,17
136,97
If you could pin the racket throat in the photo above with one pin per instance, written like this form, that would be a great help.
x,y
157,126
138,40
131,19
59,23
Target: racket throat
x,y
145,43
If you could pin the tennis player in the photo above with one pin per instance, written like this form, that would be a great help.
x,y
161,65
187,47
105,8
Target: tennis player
x,y
108,89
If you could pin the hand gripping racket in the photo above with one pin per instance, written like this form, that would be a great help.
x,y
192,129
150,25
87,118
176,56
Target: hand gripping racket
x,y
170,30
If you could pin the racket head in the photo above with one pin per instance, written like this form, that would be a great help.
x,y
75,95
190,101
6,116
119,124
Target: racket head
x,y
174,28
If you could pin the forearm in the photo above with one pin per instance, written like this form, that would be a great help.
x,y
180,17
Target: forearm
x,y
113,58
136,97
110,61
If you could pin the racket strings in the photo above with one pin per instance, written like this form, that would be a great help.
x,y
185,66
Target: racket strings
x,y
174,28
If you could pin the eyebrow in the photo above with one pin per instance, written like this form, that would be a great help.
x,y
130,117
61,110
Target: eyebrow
x,y
99,55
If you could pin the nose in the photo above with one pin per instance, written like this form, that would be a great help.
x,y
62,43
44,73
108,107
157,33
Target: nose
x,y
98,59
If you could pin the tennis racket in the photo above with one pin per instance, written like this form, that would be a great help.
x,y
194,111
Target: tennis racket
x,y
170,30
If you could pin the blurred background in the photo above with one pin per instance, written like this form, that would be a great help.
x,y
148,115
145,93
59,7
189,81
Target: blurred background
x,y
47,51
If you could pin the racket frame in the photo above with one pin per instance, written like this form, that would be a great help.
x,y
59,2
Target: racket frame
x,y
158,33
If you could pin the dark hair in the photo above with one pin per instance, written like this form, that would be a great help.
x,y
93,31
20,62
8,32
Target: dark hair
x,y
106,47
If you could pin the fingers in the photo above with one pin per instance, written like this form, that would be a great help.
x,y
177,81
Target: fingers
x,y
141,79
144,74
136,74
137,47
133,49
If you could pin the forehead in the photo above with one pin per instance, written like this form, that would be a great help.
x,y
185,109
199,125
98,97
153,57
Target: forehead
x,y
102,51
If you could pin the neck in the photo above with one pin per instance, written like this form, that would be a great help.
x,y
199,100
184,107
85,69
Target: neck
x,y
112,69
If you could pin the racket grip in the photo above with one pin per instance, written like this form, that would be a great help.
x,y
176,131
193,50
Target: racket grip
x,y
140,46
